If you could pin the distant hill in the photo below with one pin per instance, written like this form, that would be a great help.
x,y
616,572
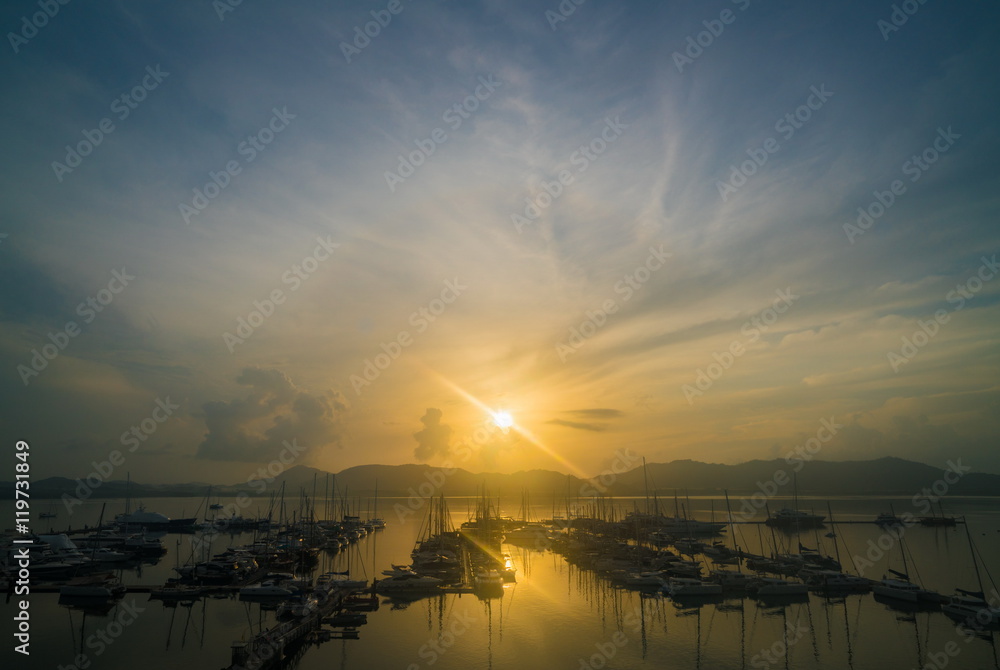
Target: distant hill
x,y
883,476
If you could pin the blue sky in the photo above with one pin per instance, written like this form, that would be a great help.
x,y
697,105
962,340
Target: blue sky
x,y
321,173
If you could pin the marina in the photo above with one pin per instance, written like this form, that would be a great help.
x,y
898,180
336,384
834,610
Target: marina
x,y
467,558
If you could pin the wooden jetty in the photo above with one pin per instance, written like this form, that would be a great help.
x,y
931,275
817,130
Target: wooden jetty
x,y
269,647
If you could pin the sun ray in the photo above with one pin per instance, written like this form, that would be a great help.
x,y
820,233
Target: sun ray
x,y
527,434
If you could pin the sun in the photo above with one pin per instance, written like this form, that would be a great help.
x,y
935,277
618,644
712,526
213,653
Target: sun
x,y
502,419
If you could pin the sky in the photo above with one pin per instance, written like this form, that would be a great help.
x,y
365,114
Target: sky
x,y
349,233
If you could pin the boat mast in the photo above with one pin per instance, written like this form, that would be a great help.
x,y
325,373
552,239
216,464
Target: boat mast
x,y
732,533
645,483
975,563
836,535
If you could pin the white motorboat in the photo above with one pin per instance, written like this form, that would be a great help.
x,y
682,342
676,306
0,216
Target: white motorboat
x,y
488,580
62,549
398,570
105,555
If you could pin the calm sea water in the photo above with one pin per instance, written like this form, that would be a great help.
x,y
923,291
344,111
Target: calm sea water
x,y
556,615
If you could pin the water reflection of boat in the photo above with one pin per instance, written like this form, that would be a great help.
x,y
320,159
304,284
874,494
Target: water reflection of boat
x,y
971,606
408,583
267,589
793,518
141,518
102,587
902,589
834,581
487,581
529,532
771,586
176,593
348,619
684,586
886,519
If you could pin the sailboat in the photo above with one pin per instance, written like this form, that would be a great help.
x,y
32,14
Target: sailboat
x,y
834,580
971,606
729,580
792,517
527,531
899,586
377,522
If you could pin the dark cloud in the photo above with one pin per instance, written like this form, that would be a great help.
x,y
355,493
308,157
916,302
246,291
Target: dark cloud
x,y
255,427
597,413
434,439
595,427
591,413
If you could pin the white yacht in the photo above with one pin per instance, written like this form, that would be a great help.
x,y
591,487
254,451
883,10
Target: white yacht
x,y
901,589
488,580
964,606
